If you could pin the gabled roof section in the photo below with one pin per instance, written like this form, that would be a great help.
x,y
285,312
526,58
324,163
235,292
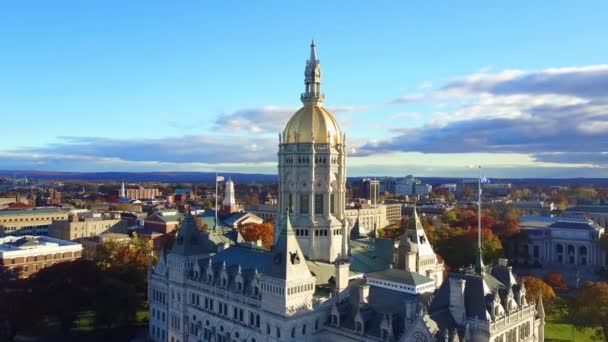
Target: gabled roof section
x,y
287,260
415,235
188,241
355,232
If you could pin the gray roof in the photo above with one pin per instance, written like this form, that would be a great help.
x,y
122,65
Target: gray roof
x,y
475,295
401,276
189,240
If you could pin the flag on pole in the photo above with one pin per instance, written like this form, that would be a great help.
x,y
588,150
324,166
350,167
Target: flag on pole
x,y
219,178
485,180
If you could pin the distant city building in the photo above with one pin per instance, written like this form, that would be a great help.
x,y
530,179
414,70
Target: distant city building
x,y
29,222
26,255
598,213
369,189
534,207
140,192
87,225
405,186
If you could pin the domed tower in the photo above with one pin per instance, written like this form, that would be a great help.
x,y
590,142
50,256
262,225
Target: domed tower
x,y
312,173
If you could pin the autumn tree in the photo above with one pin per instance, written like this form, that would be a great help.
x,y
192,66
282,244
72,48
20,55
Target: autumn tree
x,y
556,281
449,217
468,193
253,232
589,308
535,287
458,247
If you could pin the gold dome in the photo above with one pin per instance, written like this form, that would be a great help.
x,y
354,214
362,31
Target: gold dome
x,y
312,120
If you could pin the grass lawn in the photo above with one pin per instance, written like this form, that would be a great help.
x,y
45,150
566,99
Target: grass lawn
x,y
556,329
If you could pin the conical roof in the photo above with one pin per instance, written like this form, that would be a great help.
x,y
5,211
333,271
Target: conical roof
x,y
287,261
188,241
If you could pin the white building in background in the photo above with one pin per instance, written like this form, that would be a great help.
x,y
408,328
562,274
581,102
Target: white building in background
x,y
303,289
229,199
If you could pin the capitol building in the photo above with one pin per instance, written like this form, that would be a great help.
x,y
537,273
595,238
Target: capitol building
x,y
322,279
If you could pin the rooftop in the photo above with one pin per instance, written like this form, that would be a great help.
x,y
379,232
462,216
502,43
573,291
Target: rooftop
x,y
45,211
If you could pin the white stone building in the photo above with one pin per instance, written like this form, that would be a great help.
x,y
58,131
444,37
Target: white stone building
x,y
303,289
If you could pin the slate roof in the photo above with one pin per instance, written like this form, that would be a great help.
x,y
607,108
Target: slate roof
x,y
588,225
189,241
401,276
479,290
370,255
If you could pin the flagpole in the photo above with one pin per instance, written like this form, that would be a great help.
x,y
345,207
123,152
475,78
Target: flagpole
x,y
215,209
479,211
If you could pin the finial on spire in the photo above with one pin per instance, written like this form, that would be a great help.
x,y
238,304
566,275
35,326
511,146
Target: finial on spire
x,y
312,78
313,52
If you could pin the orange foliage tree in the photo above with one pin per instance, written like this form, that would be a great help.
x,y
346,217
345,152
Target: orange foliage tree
x,y
556,281
253,232
535,287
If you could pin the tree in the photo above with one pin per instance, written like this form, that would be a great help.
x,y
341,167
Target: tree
x,y
535,287
63,290
589,308
115,303
556,281
468,193
458,247
253,199
449,217
253,232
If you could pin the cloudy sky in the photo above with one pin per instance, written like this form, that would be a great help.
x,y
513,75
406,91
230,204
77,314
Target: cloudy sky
x,y
426,88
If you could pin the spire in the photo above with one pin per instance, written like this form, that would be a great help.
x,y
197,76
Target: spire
x,y
540,308
312,79
355,232
287,262
313,51
415,235
188,240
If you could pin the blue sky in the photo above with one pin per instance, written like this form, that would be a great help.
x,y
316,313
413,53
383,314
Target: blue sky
x,y
420,87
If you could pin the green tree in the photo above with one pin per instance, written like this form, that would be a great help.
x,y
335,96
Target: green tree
x,y
449,217
589,308
458,247
115,303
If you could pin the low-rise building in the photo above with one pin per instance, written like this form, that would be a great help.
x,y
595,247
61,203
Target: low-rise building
x,y
79,226
163,221
393,212
265,211
534,208
570,246
26,255
29,222
369,218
